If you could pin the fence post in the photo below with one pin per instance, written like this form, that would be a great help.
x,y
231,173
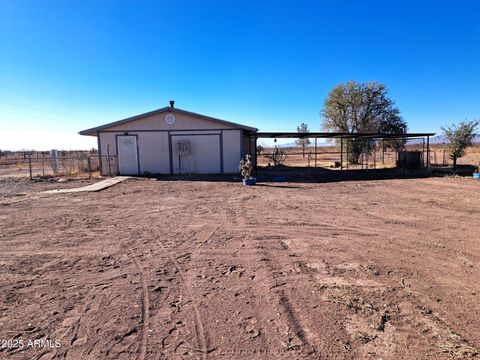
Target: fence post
x,y
89,167
54,156
30,167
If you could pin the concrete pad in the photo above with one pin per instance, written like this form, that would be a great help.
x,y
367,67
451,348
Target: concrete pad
x,y
91,188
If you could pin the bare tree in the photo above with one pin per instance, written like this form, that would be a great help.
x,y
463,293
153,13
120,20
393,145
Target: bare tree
x,y
460,137
303,141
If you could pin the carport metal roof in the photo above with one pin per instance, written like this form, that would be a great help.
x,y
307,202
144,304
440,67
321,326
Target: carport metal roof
x,y
339,135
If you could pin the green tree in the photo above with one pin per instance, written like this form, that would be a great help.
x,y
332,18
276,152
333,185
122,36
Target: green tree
x,y
361,108
303,141
460,137
392,123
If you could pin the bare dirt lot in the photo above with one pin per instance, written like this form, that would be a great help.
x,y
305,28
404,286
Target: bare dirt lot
x,y
182,269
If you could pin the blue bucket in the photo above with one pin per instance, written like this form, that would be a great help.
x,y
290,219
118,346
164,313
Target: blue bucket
x,y
476,176
249,182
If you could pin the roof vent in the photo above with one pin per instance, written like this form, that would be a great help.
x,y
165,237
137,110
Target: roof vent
x,y
172,103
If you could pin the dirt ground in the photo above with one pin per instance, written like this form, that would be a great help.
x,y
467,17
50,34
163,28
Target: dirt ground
x,y
20,186
153,269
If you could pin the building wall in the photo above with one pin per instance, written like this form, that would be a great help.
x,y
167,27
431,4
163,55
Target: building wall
x,y
183,122
232,150
153,151
108,152
204,156
215,148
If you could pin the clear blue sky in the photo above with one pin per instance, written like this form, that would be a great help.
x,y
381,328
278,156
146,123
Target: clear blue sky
x,y
70,65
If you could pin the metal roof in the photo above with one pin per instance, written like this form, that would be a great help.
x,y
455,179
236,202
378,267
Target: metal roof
x,y
93,131
344,135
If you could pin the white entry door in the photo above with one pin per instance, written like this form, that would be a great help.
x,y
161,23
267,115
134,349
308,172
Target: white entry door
x,y
127,155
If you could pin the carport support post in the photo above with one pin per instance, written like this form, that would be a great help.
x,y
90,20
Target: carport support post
x,y
256,156
428,151
423,151
346,153
315,152
341,152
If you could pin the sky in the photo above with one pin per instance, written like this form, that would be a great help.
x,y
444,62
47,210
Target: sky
x,y
66,66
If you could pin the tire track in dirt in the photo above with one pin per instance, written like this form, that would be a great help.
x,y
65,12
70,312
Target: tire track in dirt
x,y
199,326
76,329
292,319
73,328
145,313
173,249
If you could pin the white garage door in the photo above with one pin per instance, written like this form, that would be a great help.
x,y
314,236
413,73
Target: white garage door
x,y
203,157
127,155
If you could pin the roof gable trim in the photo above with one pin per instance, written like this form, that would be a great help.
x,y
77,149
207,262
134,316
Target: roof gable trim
x,y
93,131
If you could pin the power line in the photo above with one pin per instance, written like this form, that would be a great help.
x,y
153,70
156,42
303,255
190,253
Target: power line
x,y
47,111
42,117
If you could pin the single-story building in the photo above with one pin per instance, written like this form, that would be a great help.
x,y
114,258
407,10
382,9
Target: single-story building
x,y
172,141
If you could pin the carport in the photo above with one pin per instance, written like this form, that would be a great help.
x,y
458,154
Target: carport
x,y
343,137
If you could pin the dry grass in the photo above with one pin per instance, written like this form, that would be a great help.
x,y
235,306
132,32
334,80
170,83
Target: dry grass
x,y
457,350
327,156
17,165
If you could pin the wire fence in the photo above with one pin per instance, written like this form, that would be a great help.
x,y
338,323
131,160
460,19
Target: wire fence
x,y
326,158
109,165
33,166
88,164
331,157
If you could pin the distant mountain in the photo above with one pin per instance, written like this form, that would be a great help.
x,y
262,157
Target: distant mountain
x,y
294,144
440,139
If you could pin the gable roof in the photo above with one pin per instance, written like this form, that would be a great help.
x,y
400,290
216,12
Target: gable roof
x,y
93,131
